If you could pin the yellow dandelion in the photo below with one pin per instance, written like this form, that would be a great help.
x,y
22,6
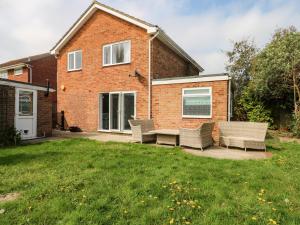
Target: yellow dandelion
x,y
187,222
254,218
171,209
172,221
125,211
274,209
155,197
142,201
178,203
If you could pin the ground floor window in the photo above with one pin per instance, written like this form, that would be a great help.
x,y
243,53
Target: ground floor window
x,y
197,102
116,108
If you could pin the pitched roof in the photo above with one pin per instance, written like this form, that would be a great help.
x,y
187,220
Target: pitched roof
x,y
150,28
22,61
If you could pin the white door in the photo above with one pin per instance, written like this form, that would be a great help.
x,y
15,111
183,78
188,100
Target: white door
x,y
26,112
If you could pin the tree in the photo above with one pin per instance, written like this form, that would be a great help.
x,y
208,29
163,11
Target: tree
x,y
276,70
239,68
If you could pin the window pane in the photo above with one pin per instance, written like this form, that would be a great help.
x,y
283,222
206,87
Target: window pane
x,y
127,51
118,53
107,55
26,103
3,74
197,91
71,61
197,106
78,60
18,71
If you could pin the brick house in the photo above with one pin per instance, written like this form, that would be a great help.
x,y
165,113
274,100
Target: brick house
x,y
37,70
26,107
112,67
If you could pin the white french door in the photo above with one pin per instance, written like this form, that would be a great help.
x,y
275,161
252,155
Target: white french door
x,y
116,108
26,113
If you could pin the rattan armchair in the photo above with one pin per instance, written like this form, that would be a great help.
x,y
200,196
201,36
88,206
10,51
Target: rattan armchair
x,y
197,138
140,130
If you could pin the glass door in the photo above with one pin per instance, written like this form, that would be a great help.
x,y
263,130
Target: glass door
x,y
104,111
115,111
116,108
128,112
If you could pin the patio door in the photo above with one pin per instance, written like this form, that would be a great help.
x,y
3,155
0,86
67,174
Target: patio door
x,y
116,108
26,113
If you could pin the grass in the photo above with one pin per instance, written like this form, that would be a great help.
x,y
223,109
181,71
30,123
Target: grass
x,y
80,181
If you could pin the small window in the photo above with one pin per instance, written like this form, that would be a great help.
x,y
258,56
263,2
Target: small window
x,y
26,103
74,60
197,102
4,74
18,71
118,53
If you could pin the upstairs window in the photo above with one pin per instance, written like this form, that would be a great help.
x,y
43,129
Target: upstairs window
x,y
18,71
75,60
4,74
117,53
197,102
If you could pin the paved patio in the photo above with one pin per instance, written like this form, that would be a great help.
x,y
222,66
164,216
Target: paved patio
x,y
216,152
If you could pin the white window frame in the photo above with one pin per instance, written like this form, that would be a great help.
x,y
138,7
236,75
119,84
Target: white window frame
x,y
111,55
4,72
71,53
196,95
19,73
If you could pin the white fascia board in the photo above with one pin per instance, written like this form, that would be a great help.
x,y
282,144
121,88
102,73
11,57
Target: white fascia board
x,y
71,33
88,14
149,29
19,65
162,36
190,80
25,86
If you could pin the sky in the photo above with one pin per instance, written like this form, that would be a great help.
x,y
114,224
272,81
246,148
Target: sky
x,y
204,28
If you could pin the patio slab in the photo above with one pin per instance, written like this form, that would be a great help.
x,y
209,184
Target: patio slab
x,y
218,152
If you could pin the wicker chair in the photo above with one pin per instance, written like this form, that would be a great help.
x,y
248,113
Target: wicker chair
x,y
140,130
197,138
243,135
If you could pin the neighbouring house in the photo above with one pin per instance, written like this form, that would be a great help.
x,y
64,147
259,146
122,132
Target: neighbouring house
x,y
112,67
26,107
38,70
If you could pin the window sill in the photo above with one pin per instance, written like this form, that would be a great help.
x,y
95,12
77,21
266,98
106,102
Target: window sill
x,y
197,117
76,70
118,64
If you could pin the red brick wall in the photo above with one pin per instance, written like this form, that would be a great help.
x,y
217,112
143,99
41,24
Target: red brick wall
x,y
44,114
79,100
166,63
7,106
24,77
167,105
43,69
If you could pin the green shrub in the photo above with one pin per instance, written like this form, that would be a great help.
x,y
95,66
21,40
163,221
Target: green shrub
x,y
10,136
254,108
296,125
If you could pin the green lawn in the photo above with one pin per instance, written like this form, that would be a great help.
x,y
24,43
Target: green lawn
x,y
80,181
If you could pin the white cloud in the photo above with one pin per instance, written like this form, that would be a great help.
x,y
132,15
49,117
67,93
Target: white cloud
x,y
33,26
